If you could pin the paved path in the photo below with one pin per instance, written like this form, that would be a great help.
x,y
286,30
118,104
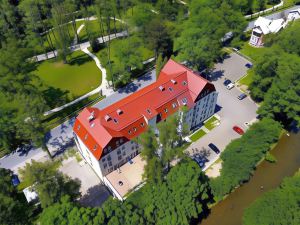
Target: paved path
x,y
61,137
266,10
77,47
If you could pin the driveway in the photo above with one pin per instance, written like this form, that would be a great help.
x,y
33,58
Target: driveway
x,y
93,192
231,110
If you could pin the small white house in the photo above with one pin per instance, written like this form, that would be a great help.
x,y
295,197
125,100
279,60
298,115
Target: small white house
x,y
264,26
31,195
293,15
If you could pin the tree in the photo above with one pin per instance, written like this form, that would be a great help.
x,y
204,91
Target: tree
x,y
279,206
13,206
249,149
50,184
160,62
282,100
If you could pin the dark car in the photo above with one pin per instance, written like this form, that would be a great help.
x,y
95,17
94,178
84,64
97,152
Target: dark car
x,y
242,96
214,148
226,82
238,130
15,180
249,65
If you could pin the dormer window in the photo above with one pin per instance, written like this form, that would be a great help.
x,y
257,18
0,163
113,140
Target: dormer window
x,y
78,127
119,111
107,118
115,120
184,101
174,81
85,136
170,89
134,129
174,105
166,110
161,88
184,83
93,124
148,111
142,124
95,147
129,132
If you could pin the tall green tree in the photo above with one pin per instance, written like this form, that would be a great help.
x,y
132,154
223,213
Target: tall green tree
x,y
50,184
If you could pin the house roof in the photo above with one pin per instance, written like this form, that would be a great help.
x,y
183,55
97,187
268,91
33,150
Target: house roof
x,y
268,26
128,117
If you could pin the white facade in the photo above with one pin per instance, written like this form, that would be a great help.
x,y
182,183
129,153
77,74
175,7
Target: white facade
x,y
203,109
294,15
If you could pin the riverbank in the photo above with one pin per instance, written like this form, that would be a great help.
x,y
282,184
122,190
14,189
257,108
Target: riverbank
x,y
266,176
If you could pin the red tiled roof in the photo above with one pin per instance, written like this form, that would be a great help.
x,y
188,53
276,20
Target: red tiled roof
x,y
127,117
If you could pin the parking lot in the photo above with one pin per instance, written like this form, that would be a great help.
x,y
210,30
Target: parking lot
x,y
231,110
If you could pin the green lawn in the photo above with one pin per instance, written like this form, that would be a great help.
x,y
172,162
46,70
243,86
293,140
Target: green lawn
x,y
200,133
210,124
68,81
252,52
247,80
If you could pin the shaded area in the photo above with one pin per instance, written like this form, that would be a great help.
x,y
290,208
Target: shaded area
x,y
95,196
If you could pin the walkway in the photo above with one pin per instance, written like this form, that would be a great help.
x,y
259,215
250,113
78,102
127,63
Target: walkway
x,y
81,46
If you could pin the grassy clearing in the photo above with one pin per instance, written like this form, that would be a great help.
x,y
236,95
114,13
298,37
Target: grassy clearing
x,y
247,80
252,52
211,123
68,81
197,135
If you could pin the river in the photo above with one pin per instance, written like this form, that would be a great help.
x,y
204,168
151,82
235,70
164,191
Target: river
x,y
266,177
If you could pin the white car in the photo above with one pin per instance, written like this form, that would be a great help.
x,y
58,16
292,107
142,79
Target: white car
x,y
230,86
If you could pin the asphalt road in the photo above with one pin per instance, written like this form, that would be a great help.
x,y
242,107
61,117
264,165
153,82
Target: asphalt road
x,y
231,110
61,137
273,16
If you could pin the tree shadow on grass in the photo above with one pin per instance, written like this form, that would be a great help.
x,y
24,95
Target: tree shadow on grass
x,y
55,96
79,60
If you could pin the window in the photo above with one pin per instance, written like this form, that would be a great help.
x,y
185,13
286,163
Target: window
x,y
132,148
78,127
104,165
134,129
129,132
166,110
115,120
109,148
170,89
184,82
174,105
184,101
95,147
119,152
121,140
124,153
109,158
148,111
142,124
119,157
109,163
103,160
110,170
105,150
123,147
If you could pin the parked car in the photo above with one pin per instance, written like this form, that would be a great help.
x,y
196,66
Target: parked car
x,y
249,65
238,130
226,82
230,86
15,180
242,96
214,148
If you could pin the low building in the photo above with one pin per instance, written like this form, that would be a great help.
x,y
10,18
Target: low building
x,y
293,15
31,195
264,26
105,137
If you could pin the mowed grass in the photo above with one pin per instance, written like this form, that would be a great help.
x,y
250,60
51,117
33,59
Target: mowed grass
x,y
247,80
200,133
211,123
252,52
74,79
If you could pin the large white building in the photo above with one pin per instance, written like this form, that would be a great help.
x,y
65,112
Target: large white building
x,y
105,138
